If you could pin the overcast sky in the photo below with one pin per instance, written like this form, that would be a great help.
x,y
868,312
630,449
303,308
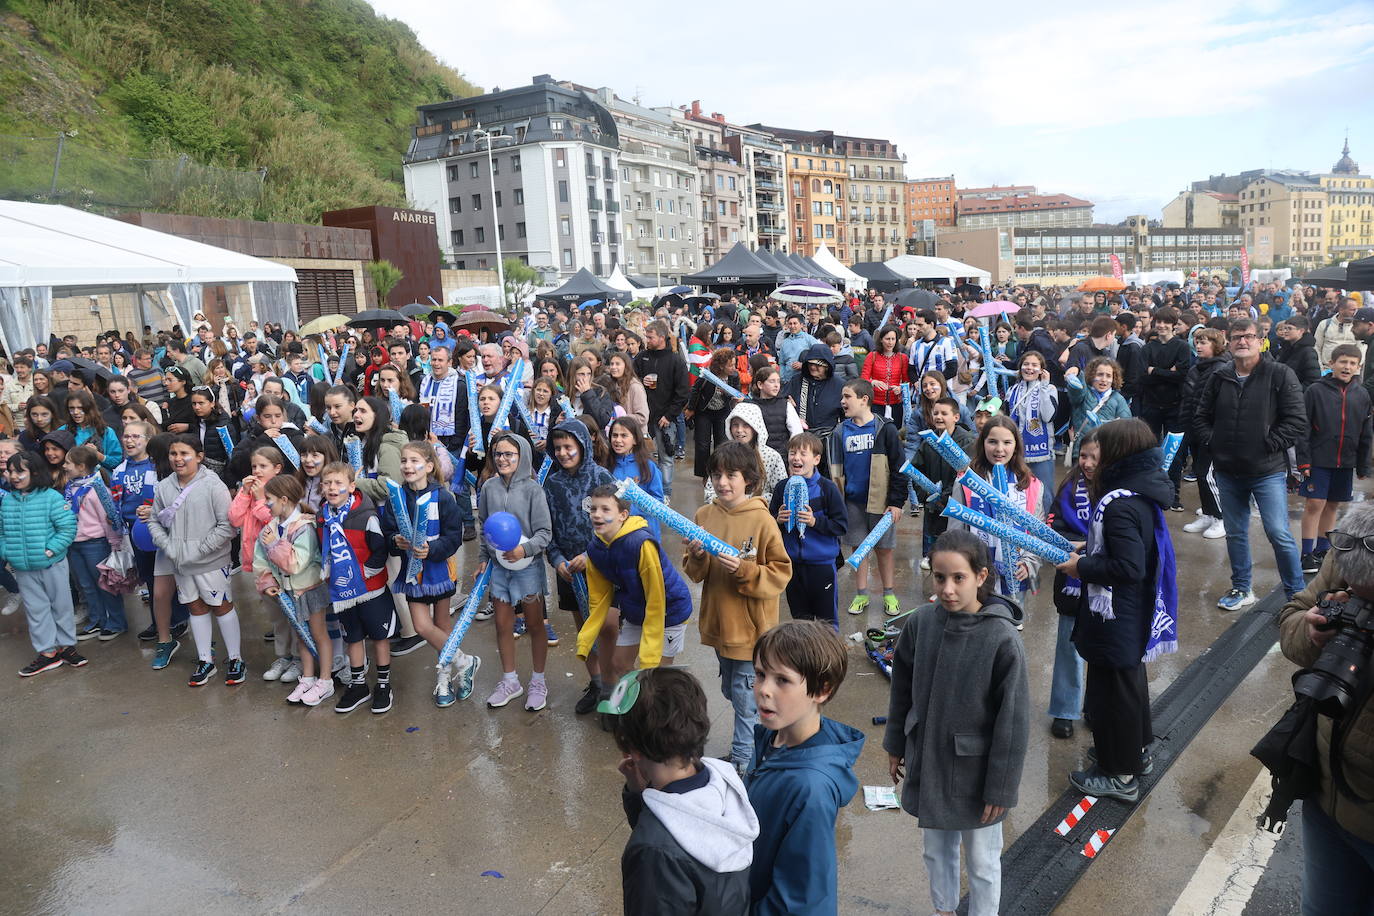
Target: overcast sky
x,y
1123,104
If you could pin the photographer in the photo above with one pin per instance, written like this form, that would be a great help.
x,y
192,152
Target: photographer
x,y
1338,829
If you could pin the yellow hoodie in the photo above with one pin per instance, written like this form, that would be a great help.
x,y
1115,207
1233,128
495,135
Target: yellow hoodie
x,y
738,607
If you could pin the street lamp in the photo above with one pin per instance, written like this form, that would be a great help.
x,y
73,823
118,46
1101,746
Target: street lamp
x,y
495,216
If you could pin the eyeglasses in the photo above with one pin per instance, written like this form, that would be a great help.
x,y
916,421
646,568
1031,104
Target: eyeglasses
x,y
505,456
1242,338
1342,541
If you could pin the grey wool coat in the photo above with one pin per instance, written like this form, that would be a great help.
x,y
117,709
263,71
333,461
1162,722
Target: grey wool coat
x,y
959,712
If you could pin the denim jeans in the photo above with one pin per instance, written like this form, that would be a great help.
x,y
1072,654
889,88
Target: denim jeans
x,y
665,442
1066,684
915,497
737,684
1338,867
1271,495
106,610
940,849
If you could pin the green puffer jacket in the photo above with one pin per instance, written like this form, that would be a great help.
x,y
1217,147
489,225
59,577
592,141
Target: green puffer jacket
x,y
33,523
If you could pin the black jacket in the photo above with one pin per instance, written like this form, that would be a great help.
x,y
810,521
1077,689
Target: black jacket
x,y
1249,428
1193,384
658,876
1131,357
1162,389
1340,429
669,394
1041,342
818,402
1301,356
1129,563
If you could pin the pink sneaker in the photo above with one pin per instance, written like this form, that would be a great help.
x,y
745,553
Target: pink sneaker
x,y
538,696
319,691
302,686
506,690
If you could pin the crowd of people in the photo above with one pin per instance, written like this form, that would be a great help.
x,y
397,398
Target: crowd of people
x,y
345,471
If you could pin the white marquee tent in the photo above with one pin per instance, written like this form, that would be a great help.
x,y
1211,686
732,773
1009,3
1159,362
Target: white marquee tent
x,y
946,269
44,247
828,262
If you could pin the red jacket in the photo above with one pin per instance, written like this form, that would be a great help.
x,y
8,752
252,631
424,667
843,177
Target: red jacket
x,y
890,369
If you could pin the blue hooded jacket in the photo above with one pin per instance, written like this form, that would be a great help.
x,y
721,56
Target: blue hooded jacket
x,y
449,340
572,530
797,792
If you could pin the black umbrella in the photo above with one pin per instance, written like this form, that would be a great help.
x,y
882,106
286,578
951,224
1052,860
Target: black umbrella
x,y
378,318
917,299
1360,274
88,367
415,310
1326,276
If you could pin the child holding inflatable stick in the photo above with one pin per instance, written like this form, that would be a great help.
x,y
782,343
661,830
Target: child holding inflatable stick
x,y
932,461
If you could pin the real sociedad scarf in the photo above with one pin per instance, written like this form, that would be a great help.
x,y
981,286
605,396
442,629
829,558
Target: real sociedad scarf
x,y
1074,511
341,569
1028,403
1163,638
443,397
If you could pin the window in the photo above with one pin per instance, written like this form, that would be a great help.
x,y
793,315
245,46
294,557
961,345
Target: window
x,y
455,205
560,158
658,204
495,165
829,230
670,205
815,186
721,205
562,191
658,231
472,169
460,265
457,238
481,235
567,257
819,230
498,198
720,182
481,263
657,179
672,233
733,186
827,187
520,230
815,208
453,173
476,202
500,232
515,163
519,196
829,208
564,226
591,164
796,188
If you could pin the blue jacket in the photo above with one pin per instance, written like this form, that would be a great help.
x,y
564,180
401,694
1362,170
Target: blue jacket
x,y
626,466
822,542
797,792
790,348
818,402
565,493
132,484
634,574
109,444
34,522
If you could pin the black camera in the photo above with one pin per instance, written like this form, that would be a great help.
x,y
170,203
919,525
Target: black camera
x,y
1336,679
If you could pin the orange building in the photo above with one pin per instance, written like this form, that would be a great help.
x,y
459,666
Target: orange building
x,y
930,198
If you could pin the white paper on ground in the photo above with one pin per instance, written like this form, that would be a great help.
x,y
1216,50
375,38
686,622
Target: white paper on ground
x,y
880,798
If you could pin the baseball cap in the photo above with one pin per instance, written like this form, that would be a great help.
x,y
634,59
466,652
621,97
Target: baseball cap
x,y
65,366
1364,314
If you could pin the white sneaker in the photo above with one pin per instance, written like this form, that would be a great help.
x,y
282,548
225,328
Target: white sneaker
x,y
320,691
292,672
11,605
1202,523
277,669
1215,530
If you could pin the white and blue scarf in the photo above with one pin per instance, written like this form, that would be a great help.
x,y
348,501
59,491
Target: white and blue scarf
x,y
76,490
341,567
1074,512
443,397
1032,407
1163,637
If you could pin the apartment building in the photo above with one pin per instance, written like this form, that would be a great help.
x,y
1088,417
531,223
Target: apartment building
x,y
1349,210
1024,210
724,185
763,207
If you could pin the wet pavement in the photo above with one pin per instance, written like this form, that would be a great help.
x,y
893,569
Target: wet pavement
x,y
123,790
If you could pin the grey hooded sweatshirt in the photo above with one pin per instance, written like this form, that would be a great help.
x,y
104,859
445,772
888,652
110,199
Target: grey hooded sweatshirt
x,y
959,712
522,497
198,539
690,852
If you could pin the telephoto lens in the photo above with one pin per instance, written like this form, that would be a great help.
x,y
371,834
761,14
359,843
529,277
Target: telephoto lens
x,y
1335,679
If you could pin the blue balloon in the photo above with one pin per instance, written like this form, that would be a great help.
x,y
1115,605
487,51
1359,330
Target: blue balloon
x,y
142,537
503,531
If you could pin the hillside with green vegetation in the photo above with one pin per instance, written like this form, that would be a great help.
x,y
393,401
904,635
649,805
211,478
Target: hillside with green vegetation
x,y
262,109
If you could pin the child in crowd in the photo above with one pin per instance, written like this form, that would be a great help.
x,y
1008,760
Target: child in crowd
x,y
99,527
1069,515
632,456
317,453
545,413
36,530
287,556
249,513
963,740
1000,444
574,475
55,447
944,418
1100,401
626,566
1032,403
692,828
189,523
813,590
739,594
802,771
779,413
864,454
816,391
438,535
745,424
518,577
88,428
1335,450
984,411
353,551
8,449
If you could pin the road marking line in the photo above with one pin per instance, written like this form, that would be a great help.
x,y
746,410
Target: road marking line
x,y
1225,879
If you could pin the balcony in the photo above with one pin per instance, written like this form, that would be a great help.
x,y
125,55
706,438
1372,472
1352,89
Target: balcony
x,y
882,217
612,206
598,237
594,203
868,217
769,205
770,230
709,216
613,238
768,185
868,197
608,173
854,197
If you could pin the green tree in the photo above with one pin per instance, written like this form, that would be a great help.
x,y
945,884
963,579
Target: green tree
x,y
521,279
385,276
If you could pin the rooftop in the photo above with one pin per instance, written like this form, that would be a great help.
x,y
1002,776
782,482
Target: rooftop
x,y
1024,202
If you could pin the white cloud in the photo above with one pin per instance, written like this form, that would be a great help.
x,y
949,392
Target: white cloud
x,y
1120,104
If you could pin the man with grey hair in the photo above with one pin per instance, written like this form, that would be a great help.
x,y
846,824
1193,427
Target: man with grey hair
x,y
1337,827
1249,414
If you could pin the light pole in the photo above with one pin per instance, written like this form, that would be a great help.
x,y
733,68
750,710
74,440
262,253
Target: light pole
x,y
495,216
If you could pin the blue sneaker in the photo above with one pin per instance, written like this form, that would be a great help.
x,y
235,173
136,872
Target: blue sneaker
x,y
519,625
466,678
1236,599
443,690
550,635
163,656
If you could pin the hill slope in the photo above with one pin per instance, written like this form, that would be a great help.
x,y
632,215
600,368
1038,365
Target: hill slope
x,y
320,94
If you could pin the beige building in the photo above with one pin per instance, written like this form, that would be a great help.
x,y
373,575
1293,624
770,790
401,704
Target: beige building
x,y
1021,209
1202,208
990,249
1293,207
724,183
876,199
1350,210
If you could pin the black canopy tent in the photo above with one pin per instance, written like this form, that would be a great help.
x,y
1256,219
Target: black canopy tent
x,y
1360,274
584,285
880,277
815,271
786,271
737,267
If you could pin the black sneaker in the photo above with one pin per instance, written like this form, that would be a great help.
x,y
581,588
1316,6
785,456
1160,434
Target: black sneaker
x,y
148,633
469,531
69,655
90,631
1147,760
201,676
42,663
178,630
1062,728
107,635
404,645
1098,784
587,702
269,636
235,672
353,696
381,698
1311,563
1176,507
